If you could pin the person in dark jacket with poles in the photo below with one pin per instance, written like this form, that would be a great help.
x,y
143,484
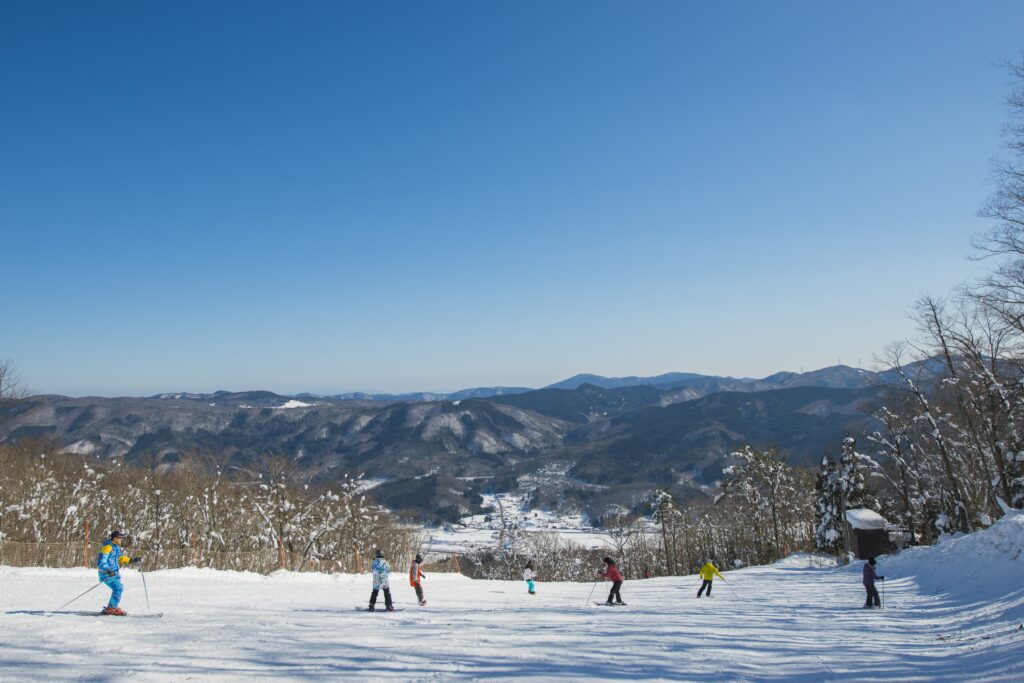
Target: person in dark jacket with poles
x,y
870,576
613,575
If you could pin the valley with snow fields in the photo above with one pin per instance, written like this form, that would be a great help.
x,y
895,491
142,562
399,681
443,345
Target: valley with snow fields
x,y
952,612
483,532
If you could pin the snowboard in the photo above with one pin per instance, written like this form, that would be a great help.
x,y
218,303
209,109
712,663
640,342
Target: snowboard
x,y
379,609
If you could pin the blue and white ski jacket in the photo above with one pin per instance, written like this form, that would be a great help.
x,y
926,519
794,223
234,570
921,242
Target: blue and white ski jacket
x,y
109,559
380,569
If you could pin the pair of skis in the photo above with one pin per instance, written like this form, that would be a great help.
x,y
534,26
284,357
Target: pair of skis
x,y
98,584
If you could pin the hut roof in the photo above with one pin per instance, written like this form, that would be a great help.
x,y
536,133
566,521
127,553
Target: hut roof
x,y
863,518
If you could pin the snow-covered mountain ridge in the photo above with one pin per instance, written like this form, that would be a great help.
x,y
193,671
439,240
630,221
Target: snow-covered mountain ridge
x,y
626,439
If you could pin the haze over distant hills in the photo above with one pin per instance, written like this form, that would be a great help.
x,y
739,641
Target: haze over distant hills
x,y
586,442
838,376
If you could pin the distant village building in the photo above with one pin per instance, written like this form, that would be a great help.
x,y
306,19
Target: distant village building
x,y
868,532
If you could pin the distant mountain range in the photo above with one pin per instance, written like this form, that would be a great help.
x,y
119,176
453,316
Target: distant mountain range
x,y
838,376
479,392
586,442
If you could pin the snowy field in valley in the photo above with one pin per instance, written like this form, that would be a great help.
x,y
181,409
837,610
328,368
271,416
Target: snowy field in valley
x,y
475,532
952,613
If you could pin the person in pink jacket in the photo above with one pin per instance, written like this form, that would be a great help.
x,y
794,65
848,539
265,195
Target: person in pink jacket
x,y
612,574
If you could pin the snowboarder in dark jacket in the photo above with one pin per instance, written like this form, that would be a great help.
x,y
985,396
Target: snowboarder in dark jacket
x,y
870,576
613,575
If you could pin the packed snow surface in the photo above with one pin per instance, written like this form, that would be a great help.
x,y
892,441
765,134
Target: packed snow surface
x,y
986,566
952,613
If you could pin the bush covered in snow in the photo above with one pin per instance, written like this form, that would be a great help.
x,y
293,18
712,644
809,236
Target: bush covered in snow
x,y
47,497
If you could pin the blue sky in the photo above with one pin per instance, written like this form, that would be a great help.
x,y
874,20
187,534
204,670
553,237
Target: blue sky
x,y
331,196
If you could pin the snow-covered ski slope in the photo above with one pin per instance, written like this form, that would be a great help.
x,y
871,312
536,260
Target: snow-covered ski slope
x,y
953,613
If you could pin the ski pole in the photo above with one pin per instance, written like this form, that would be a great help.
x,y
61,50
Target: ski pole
x,y
143,574
883,593
73,599
592,592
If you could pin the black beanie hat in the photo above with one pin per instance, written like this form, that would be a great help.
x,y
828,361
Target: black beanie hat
x,y
379,553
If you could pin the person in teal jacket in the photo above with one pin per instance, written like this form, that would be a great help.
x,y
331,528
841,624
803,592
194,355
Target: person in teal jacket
x,y
109,562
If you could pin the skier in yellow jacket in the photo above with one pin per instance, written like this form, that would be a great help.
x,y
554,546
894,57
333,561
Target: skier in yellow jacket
x,y
708,573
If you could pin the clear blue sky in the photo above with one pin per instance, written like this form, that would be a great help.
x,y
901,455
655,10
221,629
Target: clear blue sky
x,y
326,196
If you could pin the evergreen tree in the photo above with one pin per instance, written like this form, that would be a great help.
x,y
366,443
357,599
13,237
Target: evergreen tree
x,y
852,483
828,530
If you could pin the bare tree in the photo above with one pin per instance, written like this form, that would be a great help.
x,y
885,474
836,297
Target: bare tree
x,y
12,389
1006,205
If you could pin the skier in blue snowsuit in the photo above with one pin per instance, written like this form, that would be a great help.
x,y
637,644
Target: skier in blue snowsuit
x,y
381,569
109,562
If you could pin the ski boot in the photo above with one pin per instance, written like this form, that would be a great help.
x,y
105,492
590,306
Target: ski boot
x,y
371,608
114,612
389,608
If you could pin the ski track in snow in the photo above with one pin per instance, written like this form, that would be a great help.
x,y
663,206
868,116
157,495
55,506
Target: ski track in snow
x,y
784,622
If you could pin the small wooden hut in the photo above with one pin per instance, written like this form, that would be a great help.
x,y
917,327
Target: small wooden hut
x,y
868,533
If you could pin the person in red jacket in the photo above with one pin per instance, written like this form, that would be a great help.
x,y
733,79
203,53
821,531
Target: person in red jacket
x,y
612,574
416,577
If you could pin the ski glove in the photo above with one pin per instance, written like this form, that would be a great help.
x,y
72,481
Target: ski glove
x,y
135,560
124,559
108,573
